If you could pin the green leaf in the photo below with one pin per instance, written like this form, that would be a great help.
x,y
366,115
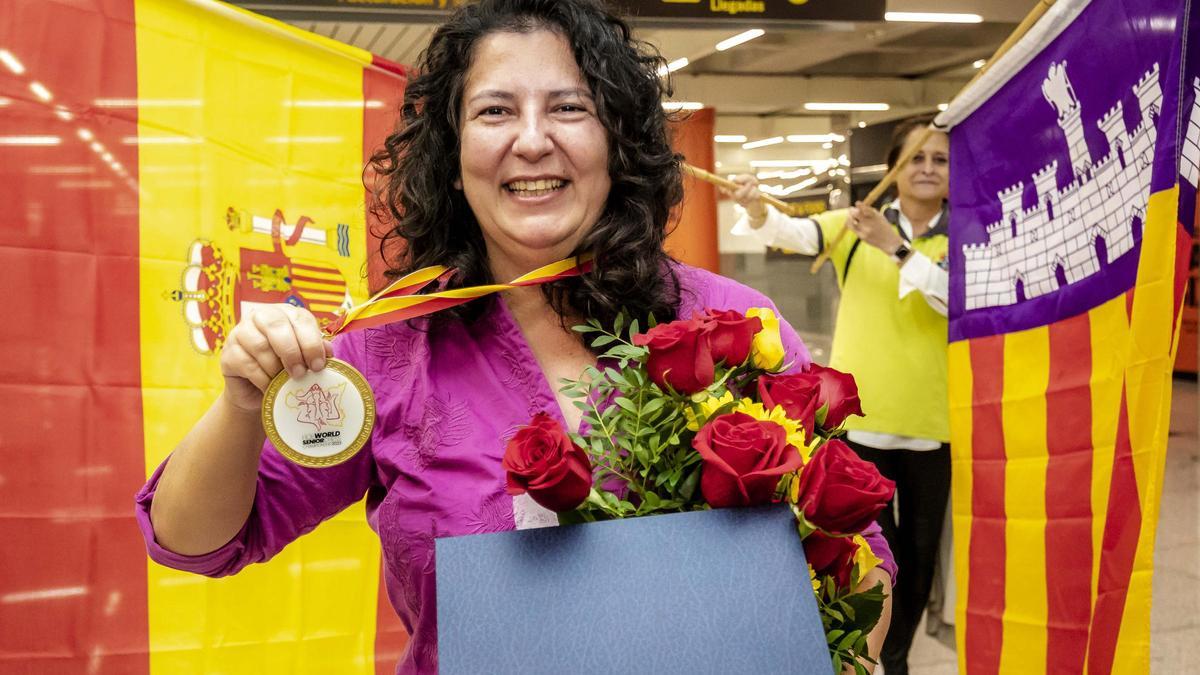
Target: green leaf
x,y
626,404
832,636
584,329
837,664
849,639
603,340
633,328
619,323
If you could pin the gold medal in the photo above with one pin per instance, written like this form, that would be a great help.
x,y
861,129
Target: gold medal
x,y
320,419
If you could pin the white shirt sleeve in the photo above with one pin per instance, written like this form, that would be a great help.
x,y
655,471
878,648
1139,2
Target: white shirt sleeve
x,y
802,235
922,274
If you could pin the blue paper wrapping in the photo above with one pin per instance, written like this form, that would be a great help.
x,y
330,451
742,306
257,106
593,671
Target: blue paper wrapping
x,y
723,591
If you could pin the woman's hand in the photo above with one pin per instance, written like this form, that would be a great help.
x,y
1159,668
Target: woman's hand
x,y
267,340
749,198
870,226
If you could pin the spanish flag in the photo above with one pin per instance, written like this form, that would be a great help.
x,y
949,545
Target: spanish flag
x,y
166,166
1073,189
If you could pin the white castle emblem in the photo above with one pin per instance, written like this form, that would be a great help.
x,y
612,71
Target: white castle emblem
x,y
1074,232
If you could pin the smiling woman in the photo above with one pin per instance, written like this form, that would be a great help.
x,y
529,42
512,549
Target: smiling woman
x,y
534,153
533,133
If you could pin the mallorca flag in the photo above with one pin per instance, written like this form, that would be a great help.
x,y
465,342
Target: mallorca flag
x,y
1074,198
166,165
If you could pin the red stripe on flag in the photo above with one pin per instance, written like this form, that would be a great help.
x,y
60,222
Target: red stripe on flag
x,y
382,83
1122,527
985,595
72,562
1069,495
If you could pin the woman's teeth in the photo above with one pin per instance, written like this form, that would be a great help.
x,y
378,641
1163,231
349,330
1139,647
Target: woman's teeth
x,y
535,188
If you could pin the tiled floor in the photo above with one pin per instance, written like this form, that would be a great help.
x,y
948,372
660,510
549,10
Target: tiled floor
x,y
810,304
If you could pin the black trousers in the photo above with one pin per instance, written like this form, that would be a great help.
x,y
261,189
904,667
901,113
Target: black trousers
x,y
913,531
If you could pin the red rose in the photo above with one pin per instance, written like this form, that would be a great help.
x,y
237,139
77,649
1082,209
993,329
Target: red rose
x,y
831,555
731,337
839,492
798,394
680,355
744,459
542,460
839,392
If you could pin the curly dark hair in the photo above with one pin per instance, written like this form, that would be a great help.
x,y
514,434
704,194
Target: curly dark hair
x,y
420,161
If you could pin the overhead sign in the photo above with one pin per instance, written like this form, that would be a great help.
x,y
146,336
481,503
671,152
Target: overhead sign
x,y
652,10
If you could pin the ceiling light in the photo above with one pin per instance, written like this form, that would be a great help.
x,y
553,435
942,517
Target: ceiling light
x,y
672,106
862,125
878,107
672,66
815,138
932,17
942,106
740,38
11,61
762,143
729,138
40,91
30,140
827,146
782,175
786,163
979,64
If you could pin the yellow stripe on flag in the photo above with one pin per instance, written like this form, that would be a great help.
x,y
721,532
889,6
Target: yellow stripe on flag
x,y
1110,331
235,81
961,427
1148,386
1026,377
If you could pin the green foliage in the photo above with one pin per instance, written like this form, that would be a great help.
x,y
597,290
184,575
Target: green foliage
x,y
848,619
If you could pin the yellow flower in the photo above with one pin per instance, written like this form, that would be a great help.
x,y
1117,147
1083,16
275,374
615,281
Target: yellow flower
x,y
766,351
706,409
864,559
795,432
812,575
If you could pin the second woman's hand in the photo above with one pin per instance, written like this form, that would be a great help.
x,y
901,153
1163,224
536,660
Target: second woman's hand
x,y
268,339
870,226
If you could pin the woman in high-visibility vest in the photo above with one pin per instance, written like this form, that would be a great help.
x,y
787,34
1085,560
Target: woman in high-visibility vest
x,y
891,335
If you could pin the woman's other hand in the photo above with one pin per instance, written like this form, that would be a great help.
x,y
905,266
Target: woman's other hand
x,y
870,226
749,198
268,339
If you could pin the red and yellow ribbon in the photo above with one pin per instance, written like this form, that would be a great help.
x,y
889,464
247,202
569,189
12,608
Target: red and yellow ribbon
x,y
398,301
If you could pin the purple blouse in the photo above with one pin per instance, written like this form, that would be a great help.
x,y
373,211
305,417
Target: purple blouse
x,y
446,402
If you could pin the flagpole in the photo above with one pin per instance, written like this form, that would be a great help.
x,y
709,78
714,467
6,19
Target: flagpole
x,y
1022,28
701,174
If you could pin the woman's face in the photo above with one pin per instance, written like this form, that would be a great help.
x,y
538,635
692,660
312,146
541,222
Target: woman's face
x,y
534,155
927,176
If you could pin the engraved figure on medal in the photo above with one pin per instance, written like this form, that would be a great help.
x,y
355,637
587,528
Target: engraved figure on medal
x,y
320,419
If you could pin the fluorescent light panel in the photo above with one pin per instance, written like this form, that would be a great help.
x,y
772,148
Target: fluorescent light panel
x,y
877,107
729,138
762,143
672,106
672,66
740,38
932,17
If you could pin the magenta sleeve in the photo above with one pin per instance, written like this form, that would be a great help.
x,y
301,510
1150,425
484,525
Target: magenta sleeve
x,y
289,501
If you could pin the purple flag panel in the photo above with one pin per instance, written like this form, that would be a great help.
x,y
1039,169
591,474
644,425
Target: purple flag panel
x,y
1051,176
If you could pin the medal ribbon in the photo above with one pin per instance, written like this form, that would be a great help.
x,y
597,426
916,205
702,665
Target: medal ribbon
x,y
399,300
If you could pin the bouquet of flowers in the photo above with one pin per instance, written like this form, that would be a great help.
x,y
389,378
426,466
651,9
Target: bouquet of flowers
x,y
702,413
